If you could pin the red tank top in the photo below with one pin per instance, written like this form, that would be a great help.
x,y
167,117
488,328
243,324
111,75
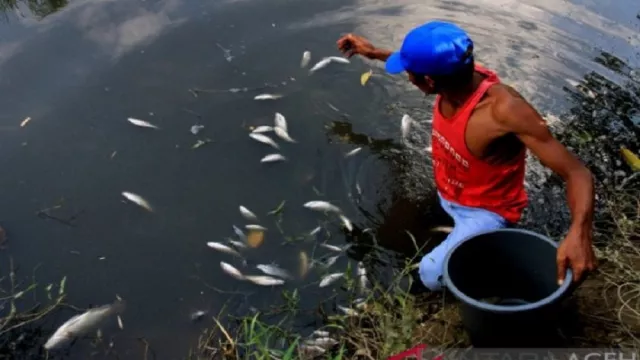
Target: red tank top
x,y
463,178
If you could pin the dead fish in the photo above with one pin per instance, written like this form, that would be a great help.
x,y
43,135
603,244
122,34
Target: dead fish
x,y
332,247
330,279
264,280
428,149
320,64
274,270
237,244
120,324
280,122
255,227
262,129
248,214
339,59
330,261
323,342
282,134
142,123
320,205
353,152
362,276
273,158
267,97
138,200
306,57
241,235
348,311
405,125
81,324
315,231
264,139
197,315
231,270
223,248
346,222
320,333
310,351
25,121
195,129
304,264
444,229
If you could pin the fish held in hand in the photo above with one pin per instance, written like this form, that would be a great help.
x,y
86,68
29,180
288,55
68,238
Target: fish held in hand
x,y
231,270
306,57
223,248
267,97
138,200
273,158
142,123
282,133
248,214
80,325
320,205
264,280
264,139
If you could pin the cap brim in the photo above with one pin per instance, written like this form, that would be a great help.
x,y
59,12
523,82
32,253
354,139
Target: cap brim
x,y
393,64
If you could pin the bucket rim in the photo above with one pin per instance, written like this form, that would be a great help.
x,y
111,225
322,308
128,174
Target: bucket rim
x,y
561,290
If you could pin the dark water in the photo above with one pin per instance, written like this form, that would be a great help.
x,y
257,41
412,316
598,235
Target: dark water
x,y
81,71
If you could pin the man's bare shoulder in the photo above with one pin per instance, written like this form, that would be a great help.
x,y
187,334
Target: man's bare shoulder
x,y
508,106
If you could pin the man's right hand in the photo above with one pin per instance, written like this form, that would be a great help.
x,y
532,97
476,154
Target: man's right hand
x,y
351,44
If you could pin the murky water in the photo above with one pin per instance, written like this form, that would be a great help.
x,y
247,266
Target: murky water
x,y
81,71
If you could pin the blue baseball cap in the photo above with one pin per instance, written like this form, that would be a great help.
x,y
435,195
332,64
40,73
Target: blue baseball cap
x,y
435,48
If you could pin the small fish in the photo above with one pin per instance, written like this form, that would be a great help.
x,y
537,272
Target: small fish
x,y
223,248
273,158
237,244
197,315
444,229
304,264
332,247
280,122
320,64
262,129
264,280
330,261
310,351
353,152
330,279
255,227
267,97
348,311
323,342
362,277
339,59
80,325
346,222
120,324
405,125
231,270
138,200
25,121
274,270
365,77
320,205
306,57
428,149
315,231
239,233
142,123
248,214
195,129
320,333
282,133
264,139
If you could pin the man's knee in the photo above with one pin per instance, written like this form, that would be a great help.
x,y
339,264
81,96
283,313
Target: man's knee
x,y
431,272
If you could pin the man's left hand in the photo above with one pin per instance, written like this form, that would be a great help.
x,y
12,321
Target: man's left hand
x,y
576,252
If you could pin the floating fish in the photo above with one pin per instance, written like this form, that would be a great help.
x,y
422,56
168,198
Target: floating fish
x,y
282,133
223,248
330,279
264,139
255,238
267,97
323,342
237,244
353,152
239,233
197,315
306,57
330,261
274,270
248,214
304,264
348,311
444,229
142,123
346,222
362,277
332,247
320,64
255,227
320,205
320,333
120,324
315,231
280,122
631,158
365,77
231,270
262,129
339,59
25,121
272,158
138,200
195,129
405,125
310,351
264,280
81,324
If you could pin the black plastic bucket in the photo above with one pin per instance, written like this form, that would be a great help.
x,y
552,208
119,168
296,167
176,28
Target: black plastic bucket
x,y
506,280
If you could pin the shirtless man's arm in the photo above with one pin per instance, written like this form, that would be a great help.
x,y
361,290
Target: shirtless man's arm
x,y
516,115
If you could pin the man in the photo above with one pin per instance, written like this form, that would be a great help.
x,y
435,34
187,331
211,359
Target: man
x,y
481,130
